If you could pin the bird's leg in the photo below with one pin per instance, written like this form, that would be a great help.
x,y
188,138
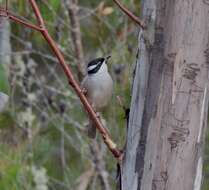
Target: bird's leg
x,y
98,115
84,91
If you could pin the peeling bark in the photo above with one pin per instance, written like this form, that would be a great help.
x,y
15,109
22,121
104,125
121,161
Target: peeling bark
x,y
169,99
5,46
5,60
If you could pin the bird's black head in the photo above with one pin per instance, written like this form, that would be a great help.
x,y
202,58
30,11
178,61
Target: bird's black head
x,y
95,65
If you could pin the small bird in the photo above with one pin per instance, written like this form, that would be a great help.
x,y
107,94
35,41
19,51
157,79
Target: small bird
x,y
98,85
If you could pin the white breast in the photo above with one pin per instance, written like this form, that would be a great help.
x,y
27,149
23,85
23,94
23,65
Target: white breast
x,y
99,88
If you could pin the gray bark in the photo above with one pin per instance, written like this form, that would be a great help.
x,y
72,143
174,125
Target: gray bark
x,y
5,56
5,46
169,99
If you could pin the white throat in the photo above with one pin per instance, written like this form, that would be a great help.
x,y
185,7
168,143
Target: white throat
x,y
103,68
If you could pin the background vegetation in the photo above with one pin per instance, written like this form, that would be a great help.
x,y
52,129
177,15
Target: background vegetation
x,y
43,142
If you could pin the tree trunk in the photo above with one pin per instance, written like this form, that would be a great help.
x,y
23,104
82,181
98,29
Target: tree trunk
x,y
169,99
5,46
5,60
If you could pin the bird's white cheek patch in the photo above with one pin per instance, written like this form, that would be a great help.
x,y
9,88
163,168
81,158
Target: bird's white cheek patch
x,y
91,67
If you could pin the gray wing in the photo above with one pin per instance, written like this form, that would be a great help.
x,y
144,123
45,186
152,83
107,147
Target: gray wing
x,y
84,81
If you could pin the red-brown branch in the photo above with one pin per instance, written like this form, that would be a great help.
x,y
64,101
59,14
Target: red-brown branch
x,y
37,13
11,16
30,25
103,131
130,14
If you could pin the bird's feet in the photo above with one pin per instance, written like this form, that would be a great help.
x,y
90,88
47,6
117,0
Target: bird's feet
x,y
84,91
98,115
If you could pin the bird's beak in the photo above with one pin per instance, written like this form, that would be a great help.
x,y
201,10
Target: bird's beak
x,y
107,58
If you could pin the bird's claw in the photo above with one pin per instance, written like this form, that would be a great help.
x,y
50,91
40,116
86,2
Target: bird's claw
x,y
84,91
98,115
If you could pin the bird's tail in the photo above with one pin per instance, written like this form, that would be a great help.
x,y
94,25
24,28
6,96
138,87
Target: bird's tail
x,y
91,129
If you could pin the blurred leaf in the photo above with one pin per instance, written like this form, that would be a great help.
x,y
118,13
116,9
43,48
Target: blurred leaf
x,y
104,10
40,178
100,6
107,11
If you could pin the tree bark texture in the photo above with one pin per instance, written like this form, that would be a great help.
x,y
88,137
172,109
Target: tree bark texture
x,y
5,60
170,95
5,46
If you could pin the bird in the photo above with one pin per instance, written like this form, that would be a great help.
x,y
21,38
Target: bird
x,y
98,87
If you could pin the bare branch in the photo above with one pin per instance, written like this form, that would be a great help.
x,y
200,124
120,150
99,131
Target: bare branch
x,y
11,16
37,13
72,8
130,14
33,26
99,164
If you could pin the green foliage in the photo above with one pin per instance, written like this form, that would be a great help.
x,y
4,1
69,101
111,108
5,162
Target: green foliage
x,y
4,84
6,120
49,13
12,169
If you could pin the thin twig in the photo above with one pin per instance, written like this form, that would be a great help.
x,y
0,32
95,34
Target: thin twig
x,y
11,16
130,14
30,25
72,8
37,13
99,164
103,131
120,101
